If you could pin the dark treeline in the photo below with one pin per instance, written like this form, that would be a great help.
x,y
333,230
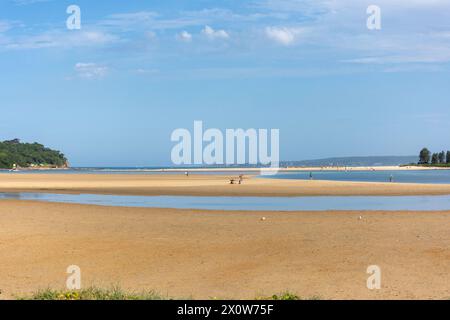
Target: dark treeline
x,y
426,157
14,153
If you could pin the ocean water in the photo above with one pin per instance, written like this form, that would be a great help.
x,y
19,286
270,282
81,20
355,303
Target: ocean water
x,y
126,170
400,176
321,203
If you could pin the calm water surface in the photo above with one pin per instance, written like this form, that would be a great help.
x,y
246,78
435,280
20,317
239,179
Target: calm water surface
x,y
413,176
418,203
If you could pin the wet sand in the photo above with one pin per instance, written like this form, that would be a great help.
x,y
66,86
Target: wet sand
x,y
203,185
199,254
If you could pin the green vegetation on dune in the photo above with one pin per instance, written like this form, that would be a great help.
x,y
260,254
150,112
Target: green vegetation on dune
x,y
25,155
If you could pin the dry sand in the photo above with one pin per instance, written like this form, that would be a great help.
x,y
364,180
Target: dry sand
x,y
207,185
187,253
201,254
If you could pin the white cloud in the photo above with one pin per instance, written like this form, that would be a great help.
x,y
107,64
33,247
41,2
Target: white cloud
x,y
130,20
151,19
59,39
413,31
184,36
93,38
215,34
183,19
90,70
8,25
27,2
284,35
311,6
143,71
150,35
4,26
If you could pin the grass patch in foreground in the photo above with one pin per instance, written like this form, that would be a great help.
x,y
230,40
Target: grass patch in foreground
x,y
93,293
286,296
116,293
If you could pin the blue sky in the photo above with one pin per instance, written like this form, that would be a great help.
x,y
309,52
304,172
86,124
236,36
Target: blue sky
x,y
111,93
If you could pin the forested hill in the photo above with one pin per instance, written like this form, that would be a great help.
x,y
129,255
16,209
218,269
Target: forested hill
x,y
27,155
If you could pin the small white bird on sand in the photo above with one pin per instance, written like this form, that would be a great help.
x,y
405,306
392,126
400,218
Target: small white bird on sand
x,y
263,219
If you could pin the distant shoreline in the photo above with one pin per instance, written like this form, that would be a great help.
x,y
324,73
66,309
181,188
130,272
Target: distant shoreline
x,y
322,168
234,169
35,169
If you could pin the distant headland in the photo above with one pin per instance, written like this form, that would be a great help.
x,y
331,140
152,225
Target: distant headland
x,y
15,154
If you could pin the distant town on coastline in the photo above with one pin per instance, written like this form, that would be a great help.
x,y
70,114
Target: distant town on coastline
x,y
14,154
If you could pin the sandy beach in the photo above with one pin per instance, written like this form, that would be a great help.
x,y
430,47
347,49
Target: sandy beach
x,y
193,254
205,254
203,185
225,149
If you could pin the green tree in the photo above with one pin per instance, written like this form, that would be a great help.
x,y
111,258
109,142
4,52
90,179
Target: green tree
x,y
435,158
424,157
442,157
448,157
29,154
